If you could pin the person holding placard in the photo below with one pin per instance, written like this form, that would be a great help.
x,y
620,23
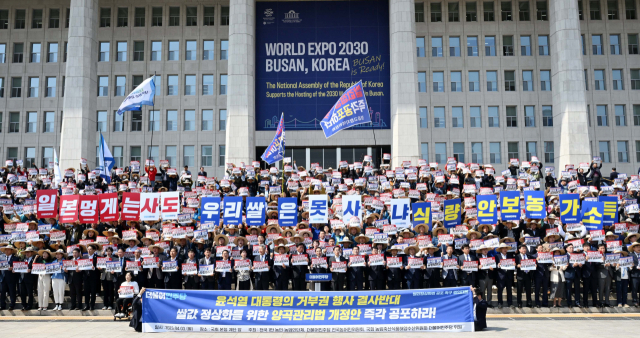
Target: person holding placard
x,y
9,279
572,278
523,277
504,274
375,271
155,276
485,276
224,277
431,274
467,278
413,274
107,278
191,282
622,280
556,277
337,283
44,280
58,280
243,277
299,271
27,280
262,278
355,271
604,273
634,272
207,282
127,290
172,277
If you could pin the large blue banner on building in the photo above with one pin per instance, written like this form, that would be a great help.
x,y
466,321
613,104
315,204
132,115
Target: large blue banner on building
x,y
309,52
447,309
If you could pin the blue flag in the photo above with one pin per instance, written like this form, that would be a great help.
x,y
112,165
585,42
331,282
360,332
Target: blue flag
x,y
592,213
141,96
570,208
106,160
350,110
487,206
275,151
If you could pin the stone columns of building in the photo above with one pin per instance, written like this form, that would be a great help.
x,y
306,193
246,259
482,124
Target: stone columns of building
x,y
405,144
78,136
240,138
571,133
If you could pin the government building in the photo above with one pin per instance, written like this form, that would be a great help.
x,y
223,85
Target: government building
x,y
481,81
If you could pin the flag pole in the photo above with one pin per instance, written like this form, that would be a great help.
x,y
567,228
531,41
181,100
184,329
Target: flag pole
x,y
153,103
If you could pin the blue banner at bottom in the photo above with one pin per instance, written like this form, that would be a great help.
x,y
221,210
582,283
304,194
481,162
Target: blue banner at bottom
x,y
447,309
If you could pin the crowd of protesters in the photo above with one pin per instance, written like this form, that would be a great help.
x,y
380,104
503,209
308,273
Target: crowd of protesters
x,y
518,255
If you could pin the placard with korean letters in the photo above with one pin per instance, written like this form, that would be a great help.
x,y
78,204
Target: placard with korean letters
x,y
528,265
611,258
394,262
577,258
434,262
470,266
487,262
595,257
613,246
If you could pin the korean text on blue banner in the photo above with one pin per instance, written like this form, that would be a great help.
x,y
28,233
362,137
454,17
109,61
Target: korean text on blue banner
x,y
487,206
592,215
255,210
510,206
350,110
570,208
421,213
610,215
447,309
534,204
210,212
233,210
287,211
451,213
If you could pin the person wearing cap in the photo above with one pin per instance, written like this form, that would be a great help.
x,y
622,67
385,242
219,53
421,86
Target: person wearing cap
x,y
634,272
523,278
28,280
413,277
485,276
572,279
155,276
8,279
467,278
510,229
556,277
604,273
282,272
504,277
337,283
44,280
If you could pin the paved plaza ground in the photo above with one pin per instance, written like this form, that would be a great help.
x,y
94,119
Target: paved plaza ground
x,y
520,327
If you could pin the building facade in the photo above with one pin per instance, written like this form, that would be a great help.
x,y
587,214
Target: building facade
x,y
477,80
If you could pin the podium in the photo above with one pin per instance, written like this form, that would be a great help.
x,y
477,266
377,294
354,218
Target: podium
x,y
318,278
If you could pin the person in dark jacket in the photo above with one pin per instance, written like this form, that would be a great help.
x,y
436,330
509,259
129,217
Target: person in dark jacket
x,y
9,279
572,280
504,277
594,174
355,274
523,277
394,275
173,280
467,278
613,175
281,272
299,272
91,280
376,274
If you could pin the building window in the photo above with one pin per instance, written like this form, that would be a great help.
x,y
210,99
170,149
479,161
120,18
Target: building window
x,y
454,46
603,147
586,80
492,81
66,19
136,80
472,11
616,75
633,43
507,45
223,84
207,50
4,19
138,51
18,52
118,159
30,154
121,85
174,51
419,11
505,9
47,156
105,17
523,11
494,153
34,86
190,52
594,10
206,157
101,121
188,155
123,17
32,122
207,119
472,46
103,86
221,155
509,80
580,11
454,11
174,16
208,16
36,19
527,80
584,49
51,86
612,9
621,116
1,92
547,116
12,154
104,52
420,47
436,12
596,44
136,153
20,19
121,54
222,122
475,117
525,45
14,122
512,117
224,16
224,49
3,53
512,150
438,118
635,79
154,153
192,16
614,43
545,80
494,117
189,120
16,87
441,152
549,153
488,11
456,81
154,120
541,10
457,118
476,152
424,151
189,85
36,49
474,81
598,76
490,46
603,121
136,121
172,85
52,55
171,155
529,116
543,45
436,47
139,17
423,118
438,82
156,50
118,122
630,9
156,16
172,120
636,115
458,151
207,84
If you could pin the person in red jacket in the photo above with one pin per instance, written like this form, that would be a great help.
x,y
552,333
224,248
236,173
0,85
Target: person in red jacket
x,y
151,171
